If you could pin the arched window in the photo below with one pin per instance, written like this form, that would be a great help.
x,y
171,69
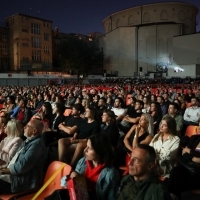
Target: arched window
x,y
146,17
164,15
130,20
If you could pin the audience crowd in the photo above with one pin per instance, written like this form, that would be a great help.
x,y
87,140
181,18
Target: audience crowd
x,y
95,129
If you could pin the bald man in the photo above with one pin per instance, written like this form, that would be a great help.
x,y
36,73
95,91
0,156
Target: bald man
x,y
25,171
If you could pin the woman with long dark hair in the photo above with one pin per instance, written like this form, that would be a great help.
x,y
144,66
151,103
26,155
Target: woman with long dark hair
x,y
101,177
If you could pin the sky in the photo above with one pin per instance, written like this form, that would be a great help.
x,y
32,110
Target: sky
x,y
74,16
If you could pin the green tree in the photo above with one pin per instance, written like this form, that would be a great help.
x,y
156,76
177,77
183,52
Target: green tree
x,y
76,55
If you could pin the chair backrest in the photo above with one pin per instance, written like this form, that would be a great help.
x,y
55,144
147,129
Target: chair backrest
x,y
191,130
55,184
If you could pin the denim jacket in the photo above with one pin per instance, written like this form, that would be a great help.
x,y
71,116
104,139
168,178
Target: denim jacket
x,y
107,183
27,171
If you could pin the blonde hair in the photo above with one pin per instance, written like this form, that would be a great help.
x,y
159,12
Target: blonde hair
x,y
149,119
13,128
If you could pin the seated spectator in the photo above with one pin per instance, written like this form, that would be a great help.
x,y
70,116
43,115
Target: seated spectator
x,y
71,122
142,181
37,103
109,128
192,114
24,113
146,108
156,113
9,104
101,177
181,178
133,118
109,103
163,106
26,167
3,123
80,132
57,116
139,134
189,95
166,145
172,112
118,109
10,145
101,107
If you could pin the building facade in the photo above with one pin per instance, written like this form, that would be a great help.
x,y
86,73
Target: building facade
x,y
139,40
30,43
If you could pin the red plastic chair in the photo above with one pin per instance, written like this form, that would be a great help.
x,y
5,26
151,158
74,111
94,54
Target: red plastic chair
x,y
125,168
191,130
55,183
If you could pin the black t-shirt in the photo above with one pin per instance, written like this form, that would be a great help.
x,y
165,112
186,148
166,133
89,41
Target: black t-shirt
x,y
86,129
71,121
111,131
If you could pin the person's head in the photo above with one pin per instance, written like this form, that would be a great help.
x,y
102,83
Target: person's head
x,y
146,121
33,128
139,105
39,97
77,109
168,125
153,97
85,103
142,162
194,101
58,108
118,102
155,107
177,101
160,99
166,96
99,149
146,100
173,108
46,107
90,112
10,100
108,116
78,100
102,102
13,128
22,103
3,121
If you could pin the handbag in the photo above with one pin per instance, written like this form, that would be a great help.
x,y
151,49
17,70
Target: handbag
x,y
192,167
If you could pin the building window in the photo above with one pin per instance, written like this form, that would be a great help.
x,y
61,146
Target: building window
x,y
25,30
36,55
46,49
25,44
35,28
46,63
36,42
46,37
4,35
4,48
46,24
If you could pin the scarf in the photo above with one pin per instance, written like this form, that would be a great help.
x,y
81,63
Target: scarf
x,y
92,174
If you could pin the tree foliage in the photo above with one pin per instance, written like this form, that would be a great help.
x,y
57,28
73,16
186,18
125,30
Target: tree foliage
x,y
77,56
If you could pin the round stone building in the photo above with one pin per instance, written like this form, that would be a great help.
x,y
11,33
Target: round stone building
x,y
139,39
